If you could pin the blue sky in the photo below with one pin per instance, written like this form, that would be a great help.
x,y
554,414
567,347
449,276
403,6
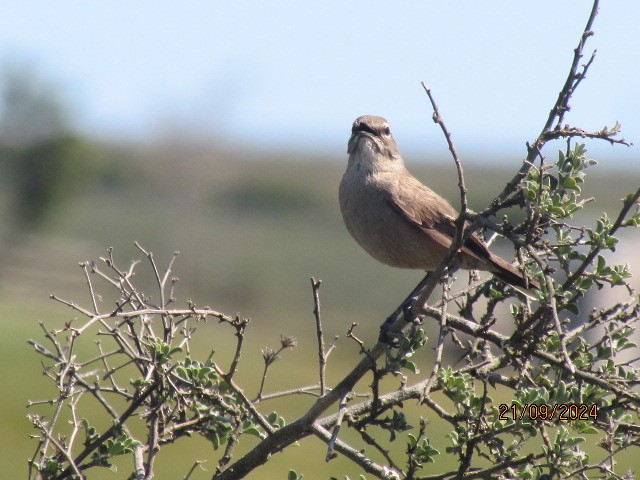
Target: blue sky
x,y
288,73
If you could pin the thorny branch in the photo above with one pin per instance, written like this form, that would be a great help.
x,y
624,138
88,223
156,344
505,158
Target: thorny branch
x,y
557,114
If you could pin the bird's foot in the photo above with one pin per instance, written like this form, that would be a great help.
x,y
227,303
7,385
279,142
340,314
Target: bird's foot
x,y
407,309
386,335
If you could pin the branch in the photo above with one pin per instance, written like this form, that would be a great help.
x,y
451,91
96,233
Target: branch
x,y
555,115
322,358
354,455
289,434
109,432
603,134
438,119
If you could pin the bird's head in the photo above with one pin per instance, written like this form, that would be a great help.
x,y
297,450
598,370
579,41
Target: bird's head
x,y
371,142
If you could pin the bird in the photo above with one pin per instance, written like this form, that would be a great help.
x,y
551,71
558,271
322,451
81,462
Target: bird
x,y
398,220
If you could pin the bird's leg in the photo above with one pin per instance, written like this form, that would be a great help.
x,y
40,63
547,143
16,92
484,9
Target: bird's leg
x,y
406,308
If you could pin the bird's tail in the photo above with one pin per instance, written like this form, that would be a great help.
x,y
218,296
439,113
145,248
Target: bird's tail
x,y
514,277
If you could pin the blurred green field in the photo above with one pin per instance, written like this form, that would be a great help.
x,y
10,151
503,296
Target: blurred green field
x,y
252,227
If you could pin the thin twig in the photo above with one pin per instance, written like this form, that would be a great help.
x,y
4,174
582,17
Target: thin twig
x,y
553,307
196,464
437,118
240,324
309,390
92,294
461,234
322,357
90,447
354,455
556,115
437,361
342,406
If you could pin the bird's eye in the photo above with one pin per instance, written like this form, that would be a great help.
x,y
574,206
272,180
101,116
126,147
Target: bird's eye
x,y
386,130
363,127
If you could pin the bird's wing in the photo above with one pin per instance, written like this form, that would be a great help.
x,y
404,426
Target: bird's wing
x,y
435,218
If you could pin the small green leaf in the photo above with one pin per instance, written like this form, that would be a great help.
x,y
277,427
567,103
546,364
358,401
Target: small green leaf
x,y
252,431
294,476
411,367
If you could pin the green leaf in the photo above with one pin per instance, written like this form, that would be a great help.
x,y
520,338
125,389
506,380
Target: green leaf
x,y
294,476
252,431
570,183
573,308
141,382
411,367
494,294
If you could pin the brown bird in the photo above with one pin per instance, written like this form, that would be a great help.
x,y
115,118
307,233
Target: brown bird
x,y
398,220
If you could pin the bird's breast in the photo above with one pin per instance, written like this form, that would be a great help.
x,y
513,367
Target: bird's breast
x,y
379,229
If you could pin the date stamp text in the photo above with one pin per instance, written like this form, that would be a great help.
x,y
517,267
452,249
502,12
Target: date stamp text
x,y
564,412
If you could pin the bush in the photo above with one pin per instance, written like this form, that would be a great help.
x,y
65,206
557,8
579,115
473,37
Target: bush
x,y
573,399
